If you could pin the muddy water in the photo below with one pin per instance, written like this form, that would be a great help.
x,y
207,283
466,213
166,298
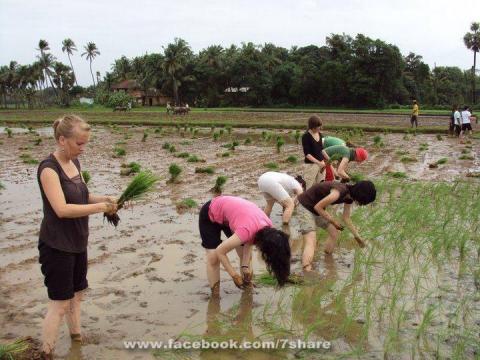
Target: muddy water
x,y
147,277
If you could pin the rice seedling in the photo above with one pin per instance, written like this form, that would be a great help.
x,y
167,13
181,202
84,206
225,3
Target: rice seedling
x,y
229,129
186,142
14,349
292,159
423,147
195,133
401,152
27,159
86,176
297,136
219,183
141,184
473,174
189,203
216,135
205,170
397,174
193,158
166,146
37,141
465,151
247,141
172,149
212,128
119,151
174,170
225,154
9,132
280,143
408,159
439,137
466,157
2,187
221,132
183,155
356,177
129,169
377,141
158,130
271,165
442,161
145,135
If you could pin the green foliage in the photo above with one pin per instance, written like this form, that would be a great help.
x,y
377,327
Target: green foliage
x,y
189,203
13,350
408,159
119,151
271,165
9,132
248,141
226,154
356,177
145,135
423,147
172,149
397,174
378,141
86,176
280,143
205,170
174,170
193,158
27,159
183,155
216,135
119,99
441,161
166,146
297,136
219,183
292,159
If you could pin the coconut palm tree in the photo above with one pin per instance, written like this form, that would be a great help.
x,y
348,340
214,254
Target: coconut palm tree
x,y
69,47
91,53
472,42
176,56
46,60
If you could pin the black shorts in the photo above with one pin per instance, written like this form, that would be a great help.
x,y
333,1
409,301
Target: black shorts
x,y
211,232
467,126
413,118
65,273
458,129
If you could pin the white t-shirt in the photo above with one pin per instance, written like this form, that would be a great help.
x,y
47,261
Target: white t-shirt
x,y
286,181
466,117
456,116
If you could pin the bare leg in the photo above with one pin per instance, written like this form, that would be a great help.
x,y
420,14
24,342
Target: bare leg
x,y
55,312
72,316
288,206
310,240
213,270
268,207
331,239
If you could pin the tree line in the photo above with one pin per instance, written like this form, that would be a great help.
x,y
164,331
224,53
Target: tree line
x,y
345,72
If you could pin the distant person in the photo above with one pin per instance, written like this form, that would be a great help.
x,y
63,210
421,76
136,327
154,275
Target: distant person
x,y
466,121
282,188
315,156
312,213
63,237
344,155
414,117
245,225
457,121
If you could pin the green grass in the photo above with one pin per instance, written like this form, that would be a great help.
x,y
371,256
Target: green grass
x,y
193,158
441,161
189,203
28,159
119,151
466,157
271,165
408,159
292,159
205,170
183,155
397,175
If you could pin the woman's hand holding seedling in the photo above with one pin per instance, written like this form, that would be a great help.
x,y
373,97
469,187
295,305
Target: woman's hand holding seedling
x,y
237,279
110,208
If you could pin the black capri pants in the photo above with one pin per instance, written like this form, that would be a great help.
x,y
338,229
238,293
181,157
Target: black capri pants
x,y
211,232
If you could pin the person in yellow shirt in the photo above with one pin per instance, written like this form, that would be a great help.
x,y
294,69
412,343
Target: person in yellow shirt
x,y
414,118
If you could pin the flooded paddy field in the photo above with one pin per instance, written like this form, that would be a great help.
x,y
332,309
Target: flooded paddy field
x,y
413,292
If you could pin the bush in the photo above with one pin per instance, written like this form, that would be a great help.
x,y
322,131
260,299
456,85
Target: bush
x,y
120,99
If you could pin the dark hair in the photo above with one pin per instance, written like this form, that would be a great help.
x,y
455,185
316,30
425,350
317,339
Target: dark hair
x,y
454,107
275,249
302,182
314,122
363,192
465,107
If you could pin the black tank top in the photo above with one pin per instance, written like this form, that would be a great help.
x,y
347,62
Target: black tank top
x,y
69,235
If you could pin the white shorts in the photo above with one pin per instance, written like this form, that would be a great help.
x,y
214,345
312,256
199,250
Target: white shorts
x,y
271,189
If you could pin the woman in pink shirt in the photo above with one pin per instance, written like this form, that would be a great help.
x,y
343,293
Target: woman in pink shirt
x,y
245,224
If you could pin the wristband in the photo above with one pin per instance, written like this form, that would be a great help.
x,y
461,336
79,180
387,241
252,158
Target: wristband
x,y
245,266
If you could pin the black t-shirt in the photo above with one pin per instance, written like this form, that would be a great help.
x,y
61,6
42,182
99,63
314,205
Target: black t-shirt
x,y
317,192
69,235
312,147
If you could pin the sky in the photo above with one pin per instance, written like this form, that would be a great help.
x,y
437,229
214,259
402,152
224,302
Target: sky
x,y
432,29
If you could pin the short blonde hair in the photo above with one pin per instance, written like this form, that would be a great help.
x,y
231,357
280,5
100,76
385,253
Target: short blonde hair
x,y
65,125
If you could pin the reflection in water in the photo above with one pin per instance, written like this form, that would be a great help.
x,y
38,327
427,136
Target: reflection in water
x,y
75,352
322,311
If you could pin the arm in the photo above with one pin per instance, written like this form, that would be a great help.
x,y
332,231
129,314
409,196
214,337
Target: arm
x,y
347,208
222,250
95,199
322,204
342,167
54,193
325,155
246,264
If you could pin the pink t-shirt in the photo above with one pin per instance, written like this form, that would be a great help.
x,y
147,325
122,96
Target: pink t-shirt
x,y
242,216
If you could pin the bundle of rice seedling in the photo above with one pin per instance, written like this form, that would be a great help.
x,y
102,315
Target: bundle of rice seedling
x,y
86,176
141,184
129,169
11,350
221,180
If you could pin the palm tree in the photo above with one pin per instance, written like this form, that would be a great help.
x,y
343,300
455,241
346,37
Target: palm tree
x,y
91,51
176,56
46,60
472,42
69,47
